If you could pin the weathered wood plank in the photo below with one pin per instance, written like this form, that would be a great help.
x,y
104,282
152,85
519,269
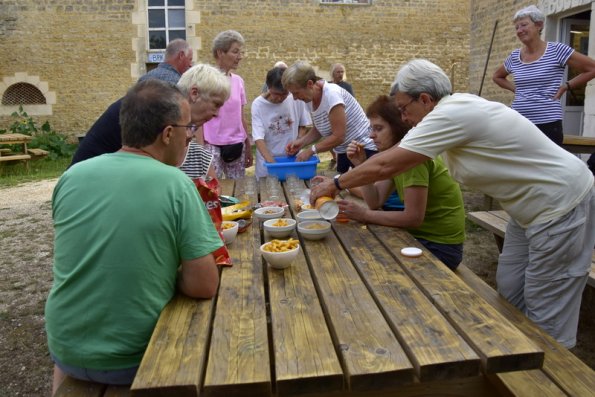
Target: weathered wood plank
x,y
305,357
72,387
531,383
117,391
372,356
12,157
174,360
489,221
241,325
432,344
560,365
477,386
579,144
500,345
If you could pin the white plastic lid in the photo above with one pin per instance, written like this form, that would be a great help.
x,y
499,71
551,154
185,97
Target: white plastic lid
x,y
411,252
329,210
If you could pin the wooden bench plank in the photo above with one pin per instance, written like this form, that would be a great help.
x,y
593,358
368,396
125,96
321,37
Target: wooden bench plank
x,y
432,353
117,391
242,323
560,365
493,221
532,383
37,152
500,345
13,157
579,144
72,387
300,338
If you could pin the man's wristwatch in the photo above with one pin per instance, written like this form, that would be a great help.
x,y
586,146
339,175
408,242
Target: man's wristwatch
x,y
314,149
336,180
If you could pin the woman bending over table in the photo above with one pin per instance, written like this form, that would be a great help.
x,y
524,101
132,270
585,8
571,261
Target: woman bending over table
x,y
336,115
433,213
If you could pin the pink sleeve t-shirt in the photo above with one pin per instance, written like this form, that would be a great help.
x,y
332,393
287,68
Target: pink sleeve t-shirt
x,y
227,127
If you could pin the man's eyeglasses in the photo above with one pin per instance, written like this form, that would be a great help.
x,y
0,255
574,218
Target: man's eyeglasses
x,y
403,108
190,129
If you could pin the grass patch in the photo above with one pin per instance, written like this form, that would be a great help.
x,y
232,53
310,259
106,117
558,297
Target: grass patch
x,y
15,173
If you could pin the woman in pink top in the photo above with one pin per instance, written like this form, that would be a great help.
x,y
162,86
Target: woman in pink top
x,y
226,135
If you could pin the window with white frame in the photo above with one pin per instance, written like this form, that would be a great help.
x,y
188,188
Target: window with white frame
x,y
166,22
345,1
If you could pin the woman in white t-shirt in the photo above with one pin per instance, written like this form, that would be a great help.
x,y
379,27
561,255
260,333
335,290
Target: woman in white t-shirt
x,y
277,119
336,115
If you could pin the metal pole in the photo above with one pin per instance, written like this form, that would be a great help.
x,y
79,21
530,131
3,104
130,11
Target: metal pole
x,y
488,58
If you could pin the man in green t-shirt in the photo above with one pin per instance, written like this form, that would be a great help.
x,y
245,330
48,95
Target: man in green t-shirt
x,y
130,228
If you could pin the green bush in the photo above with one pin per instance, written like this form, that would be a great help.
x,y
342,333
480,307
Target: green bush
x,y
43,138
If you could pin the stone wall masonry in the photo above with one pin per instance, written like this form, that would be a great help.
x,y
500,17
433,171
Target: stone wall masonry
x,y
83,48
371,41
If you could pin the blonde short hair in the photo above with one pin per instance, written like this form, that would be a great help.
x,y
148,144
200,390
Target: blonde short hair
x,y
208,79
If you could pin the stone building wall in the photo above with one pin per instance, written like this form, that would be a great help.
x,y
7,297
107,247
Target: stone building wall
x,y
80,49
86,52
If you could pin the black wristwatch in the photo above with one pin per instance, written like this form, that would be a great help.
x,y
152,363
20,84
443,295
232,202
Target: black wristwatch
x,y
336,179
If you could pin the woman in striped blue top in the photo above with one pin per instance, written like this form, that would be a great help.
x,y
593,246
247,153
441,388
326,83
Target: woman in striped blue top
x,y
337,117
538,70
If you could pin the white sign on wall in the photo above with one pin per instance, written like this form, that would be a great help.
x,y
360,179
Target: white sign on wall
x,y
155,57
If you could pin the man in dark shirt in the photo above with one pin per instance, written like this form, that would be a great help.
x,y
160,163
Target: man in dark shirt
x,y
104,135
337,75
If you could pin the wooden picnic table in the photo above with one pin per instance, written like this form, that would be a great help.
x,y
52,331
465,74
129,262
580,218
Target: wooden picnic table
x,y
15,139
351,316
579,144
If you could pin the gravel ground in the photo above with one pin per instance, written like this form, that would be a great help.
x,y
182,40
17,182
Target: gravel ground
x,y
26,239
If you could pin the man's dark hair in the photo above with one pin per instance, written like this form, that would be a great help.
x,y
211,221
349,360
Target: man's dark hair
x,y
274,78
147,108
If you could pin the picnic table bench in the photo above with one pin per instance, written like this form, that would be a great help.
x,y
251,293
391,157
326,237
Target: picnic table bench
x,y
350,317
579,144
15,139
496,222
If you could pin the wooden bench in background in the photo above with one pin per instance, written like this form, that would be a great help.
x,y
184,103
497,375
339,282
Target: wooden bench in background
x,y
78,388
579,144
37,153
496,221
19,140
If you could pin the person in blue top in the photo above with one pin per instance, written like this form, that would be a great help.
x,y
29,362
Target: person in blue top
x,y
538,70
